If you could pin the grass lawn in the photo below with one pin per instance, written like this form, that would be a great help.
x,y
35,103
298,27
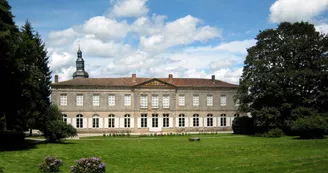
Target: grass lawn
x,y
214,153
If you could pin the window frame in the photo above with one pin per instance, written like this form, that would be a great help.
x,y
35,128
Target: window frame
x,y
127,99
223,100
166,101
143,101
166,120
209,102
195,100
182,100
95,121
195,120
79,99
95,100
111,121
63,100
111,99
155,101
182,122
143,121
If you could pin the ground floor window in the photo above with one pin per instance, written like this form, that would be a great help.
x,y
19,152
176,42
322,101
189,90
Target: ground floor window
x,y
223,120
236,115
111,120
143,120
95,121
181,120
209,120
155,120
165,120
127,121
79,121
65,118
196,120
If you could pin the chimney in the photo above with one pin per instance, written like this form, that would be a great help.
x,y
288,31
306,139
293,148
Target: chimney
x,y
170,77
134,76
56,78
213,78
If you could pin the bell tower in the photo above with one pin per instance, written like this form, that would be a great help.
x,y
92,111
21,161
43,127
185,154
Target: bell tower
x,y
80,73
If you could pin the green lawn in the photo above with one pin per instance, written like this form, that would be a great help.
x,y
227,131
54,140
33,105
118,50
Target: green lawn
x,y
214,153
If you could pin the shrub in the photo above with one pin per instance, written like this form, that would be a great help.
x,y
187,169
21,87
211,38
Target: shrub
x,y
243,125
57,130
274,133
50,164
9,138
310,127
88,165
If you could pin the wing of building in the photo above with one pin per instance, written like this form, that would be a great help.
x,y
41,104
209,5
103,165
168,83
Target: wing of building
x,y
144,105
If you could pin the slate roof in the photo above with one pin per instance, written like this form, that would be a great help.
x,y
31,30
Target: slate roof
x,y
128,82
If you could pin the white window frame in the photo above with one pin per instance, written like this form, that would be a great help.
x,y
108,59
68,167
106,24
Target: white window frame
x,y
182,121
111,100
111,121
95,121
154,122
95,100
143,121
182,100
63,99
166,120
195,100
127,121
154,101
166,101
209,121
223,100
143,101
79,121
195,122
79,100
209,100
127,100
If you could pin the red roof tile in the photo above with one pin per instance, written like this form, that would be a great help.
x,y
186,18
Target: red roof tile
x,y
127,82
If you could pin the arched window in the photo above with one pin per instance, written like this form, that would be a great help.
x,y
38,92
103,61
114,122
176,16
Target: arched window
x,y
223,120
195,120
155,120
95,121
127,121
111,120
79,121
236,115
65,118
209,120
181,120
166,120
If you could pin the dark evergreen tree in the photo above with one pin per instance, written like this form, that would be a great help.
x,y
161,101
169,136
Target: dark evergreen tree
x,y
286,69
9,62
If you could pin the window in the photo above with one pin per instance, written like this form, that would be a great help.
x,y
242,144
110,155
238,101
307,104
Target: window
x,y
223,100
63,99
195,100
95,100
166,101
209,120
154,101
181,100
236,115
195,120
209,100
111,120
143,120
79,121
127,100
95,121
79,100
65,118
155,120
127,121
165,120
143,101
181,120
223,120
111,100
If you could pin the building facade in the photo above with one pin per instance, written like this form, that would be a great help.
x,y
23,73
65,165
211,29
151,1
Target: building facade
x,y
144,105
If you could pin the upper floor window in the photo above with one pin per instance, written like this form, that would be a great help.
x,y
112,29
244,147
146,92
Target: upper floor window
x,y
195,100
63,99
111,100
95,100
223,100
127,100
166,101
79,100
181,100
143,101
209,100
154,101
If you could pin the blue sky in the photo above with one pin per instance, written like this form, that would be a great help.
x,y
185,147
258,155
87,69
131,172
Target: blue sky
x,y
153,38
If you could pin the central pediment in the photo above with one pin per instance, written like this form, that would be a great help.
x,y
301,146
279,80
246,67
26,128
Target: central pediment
x,y
155,83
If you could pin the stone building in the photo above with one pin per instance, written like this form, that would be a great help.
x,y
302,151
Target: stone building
x,y
144,105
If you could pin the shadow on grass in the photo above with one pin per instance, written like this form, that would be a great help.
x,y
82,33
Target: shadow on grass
x,y
29,144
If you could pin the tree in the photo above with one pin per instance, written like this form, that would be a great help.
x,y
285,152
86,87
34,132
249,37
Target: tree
x,y
8,69
286,69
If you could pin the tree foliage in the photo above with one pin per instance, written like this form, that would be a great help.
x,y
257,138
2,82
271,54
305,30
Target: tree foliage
x,y
286,69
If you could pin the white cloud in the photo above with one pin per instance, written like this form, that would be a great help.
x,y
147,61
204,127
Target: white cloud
x,y
61,60
296,10
128,8
323,28
105,28
229,75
